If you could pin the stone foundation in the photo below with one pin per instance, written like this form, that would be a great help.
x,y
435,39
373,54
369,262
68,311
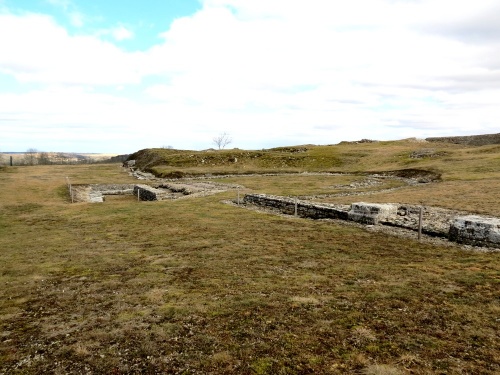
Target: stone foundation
x,y
476,230
96,193
471,230
304,209
148,193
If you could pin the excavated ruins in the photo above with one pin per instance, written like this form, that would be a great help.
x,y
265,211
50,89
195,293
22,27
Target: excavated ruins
x,y
96,193
456,226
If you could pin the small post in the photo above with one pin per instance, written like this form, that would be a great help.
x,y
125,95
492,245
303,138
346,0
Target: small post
x,y
420,215
70,190
11,163
296,206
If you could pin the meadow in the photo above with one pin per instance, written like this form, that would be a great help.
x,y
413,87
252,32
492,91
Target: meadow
x,y
195,286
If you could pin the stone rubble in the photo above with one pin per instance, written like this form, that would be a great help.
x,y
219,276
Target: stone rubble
x,y
372,213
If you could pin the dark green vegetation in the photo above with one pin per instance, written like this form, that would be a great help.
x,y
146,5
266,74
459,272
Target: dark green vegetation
x,y
197,286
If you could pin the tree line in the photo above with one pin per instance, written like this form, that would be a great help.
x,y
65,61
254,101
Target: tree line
x,y
32,156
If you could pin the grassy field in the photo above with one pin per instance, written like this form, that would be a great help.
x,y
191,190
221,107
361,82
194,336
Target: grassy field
x,y
456,161
195,286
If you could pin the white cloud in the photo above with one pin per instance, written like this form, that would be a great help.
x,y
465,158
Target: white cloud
x,y
76,18
118,33
122,33
262,52
269,72
42,51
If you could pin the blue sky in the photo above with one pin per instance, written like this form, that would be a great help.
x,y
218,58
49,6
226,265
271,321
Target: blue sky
x,y
132,24
119,76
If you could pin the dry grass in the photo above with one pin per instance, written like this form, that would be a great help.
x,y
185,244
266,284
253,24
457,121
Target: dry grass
x,y
477,196
455,161
195,286
304,184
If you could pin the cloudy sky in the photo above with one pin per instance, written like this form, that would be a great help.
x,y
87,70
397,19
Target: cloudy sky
x,y
121,75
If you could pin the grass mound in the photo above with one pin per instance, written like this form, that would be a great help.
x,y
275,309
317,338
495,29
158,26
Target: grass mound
x,y
449,161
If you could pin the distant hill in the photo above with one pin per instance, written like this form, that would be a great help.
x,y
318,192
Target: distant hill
x,y
41,157
119,158
440,156
471,140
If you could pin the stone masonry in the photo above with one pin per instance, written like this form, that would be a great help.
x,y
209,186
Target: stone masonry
x,y
148,193
304,209
371,213
473,230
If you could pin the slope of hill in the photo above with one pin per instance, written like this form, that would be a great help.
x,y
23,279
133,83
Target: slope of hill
x,y
473,140
449,159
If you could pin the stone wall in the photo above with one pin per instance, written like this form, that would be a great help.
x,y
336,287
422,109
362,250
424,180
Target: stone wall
x,y
304,209
473,230
95,193
148,193
371,213
113,189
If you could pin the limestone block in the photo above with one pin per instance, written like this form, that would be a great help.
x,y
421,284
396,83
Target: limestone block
x,y
475,230
96,197
372,213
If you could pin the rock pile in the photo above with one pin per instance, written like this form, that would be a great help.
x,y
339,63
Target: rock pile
x,y
370,213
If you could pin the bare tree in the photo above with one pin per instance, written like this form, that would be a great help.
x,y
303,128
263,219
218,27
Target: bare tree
x,y
30,156
61,158
222,140
44,158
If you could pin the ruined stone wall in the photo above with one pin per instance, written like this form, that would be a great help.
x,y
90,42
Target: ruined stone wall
x,y
475,230
304,209
148,193
472,230
436,221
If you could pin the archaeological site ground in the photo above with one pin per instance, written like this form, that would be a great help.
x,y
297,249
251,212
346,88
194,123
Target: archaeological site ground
x,y
293,260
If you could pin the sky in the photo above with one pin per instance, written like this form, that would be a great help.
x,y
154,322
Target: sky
x,y
117,76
